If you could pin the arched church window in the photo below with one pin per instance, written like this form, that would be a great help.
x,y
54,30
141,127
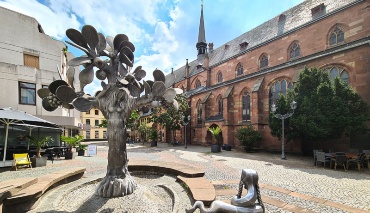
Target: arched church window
x,y
199,112
338,72
197,84
264,61
220,106
295,51
279,87
246,106
337,36
219,77
239,70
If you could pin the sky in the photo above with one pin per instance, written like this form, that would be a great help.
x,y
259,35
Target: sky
x,y
164,32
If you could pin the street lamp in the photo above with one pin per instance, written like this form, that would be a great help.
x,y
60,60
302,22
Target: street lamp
x,y
293,106
185,123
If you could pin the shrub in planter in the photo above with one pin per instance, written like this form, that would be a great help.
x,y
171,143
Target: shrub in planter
x,y
81,149
72,141
249,137
39,142
216,132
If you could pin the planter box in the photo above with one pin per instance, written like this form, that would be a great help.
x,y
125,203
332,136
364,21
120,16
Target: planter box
x,y
153,143
215,148
70,155
38,162
81,152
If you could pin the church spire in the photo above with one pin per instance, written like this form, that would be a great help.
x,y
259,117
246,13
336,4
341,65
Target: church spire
x,y
202,44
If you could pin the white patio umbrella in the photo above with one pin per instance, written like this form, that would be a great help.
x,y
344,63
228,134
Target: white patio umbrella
x,y
11,116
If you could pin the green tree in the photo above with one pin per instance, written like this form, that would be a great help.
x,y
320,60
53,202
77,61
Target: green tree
x,y
72,140
104,123
249,137
170,117
143,130
326,108
39,142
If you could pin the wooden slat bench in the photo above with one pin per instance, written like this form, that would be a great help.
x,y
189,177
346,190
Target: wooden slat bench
x,y
11,187
27,198
200,188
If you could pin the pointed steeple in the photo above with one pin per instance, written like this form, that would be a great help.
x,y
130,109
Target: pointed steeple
x,y
201,45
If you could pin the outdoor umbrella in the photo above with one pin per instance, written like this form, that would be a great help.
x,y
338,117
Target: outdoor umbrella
x,y
11,116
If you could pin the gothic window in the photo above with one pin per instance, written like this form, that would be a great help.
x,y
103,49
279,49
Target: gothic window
x,y
295,51
334,72
239,70
246,106
220,106
219,77
279,87
199,114
197,84
264,61
337,36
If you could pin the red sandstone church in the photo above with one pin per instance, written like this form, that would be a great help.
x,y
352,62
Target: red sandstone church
x,y
234,84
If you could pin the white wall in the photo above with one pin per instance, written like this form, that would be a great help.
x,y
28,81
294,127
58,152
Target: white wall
x,y
20,34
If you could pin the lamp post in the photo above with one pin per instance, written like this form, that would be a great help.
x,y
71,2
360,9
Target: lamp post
x,y
185,123
293,106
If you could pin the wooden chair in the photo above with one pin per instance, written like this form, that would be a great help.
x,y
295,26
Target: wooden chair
x,y
21,160
359,161
339,160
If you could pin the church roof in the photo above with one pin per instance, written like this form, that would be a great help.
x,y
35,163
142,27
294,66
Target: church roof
x,y
289,21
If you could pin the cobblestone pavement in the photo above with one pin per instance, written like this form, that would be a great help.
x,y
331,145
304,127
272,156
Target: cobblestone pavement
x,y
295,180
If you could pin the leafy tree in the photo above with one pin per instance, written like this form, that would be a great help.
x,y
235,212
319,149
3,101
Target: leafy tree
x,y
132,122
72,140
153,136
143,130
104,123
171,118
249,137
326,108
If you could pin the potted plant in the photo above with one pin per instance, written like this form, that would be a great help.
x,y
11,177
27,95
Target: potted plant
x,y
39,142
81,149
153,136
216,132
72,141
249,137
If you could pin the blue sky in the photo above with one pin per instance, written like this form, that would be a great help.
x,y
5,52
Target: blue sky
x,y
164,32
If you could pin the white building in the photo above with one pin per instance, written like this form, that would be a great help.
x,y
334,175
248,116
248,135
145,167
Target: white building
x,y
30,60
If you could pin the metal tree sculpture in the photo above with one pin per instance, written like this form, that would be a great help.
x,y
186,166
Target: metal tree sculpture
x,y
117,99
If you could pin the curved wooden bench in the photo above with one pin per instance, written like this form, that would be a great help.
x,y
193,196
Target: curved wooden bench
x,y
27,198
11,187
166,168
200,188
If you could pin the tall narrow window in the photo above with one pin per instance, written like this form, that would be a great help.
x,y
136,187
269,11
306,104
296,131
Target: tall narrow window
x,y
96,134
96,112
96,122
197,84
264,61
27,93
220,106
337,36
31,61
246,106
104,134
199,114
88,121
295,51
87,134
219,77
239,70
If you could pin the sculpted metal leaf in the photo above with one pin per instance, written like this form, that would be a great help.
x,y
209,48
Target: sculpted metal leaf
x,y
134,90
147,88
128,52
86,76
124,59
67,106
55,84
77,38
82,104
178,91
122,70
102,43
170,94
176,105
109,40
79,60
118,40
91,36
158,89
43,92
159,76
66,94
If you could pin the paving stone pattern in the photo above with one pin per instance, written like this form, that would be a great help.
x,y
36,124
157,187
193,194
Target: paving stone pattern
x,y
292,185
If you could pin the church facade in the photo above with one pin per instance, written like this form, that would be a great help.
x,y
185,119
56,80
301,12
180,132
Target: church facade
x,y
234,85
